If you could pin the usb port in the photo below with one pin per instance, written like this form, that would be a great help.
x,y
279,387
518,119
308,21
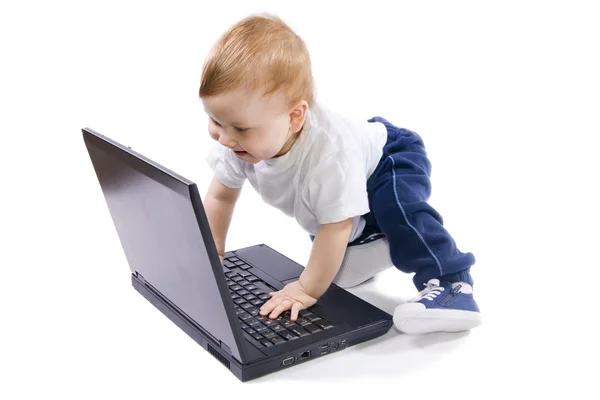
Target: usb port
x,y
323,352
325,346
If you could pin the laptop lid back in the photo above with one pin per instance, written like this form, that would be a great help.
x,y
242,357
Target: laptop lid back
x,y
165,235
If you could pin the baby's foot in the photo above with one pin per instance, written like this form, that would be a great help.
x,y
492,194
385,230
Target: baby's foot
x,y
440,307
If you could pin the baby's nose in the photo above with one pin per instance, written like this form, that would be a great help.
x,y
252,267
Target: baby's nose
x,y
226,141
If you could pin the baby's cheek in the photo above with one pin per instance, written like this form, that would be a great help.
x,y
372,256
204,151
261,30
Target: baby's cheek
x,y
213,134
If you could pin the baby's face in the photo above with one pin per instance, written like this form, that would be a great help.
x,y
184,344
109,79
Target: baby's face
x,y
257,128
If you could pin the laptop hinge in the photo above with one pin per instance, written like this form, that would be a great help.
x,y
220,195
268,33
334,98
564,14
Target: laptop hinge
x,y
140,277
226,348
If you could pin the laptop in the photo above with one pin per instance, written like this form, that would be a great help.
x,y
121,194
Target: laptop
x,y
161,223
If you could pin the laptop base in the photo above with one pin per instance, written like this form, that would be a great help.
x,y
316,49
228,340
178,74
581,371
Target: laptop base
x,y
262,367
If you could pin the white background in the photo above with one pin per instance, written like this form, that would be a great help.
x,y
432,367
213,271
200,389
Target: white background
x,y
506,97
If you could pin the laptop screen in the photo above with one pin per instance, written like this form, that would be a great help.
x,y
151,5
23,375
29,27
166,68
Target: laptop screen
x,y
160,233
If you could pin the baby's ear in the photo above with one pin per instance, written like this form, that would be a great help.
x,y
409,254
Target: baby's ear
x,y
298,115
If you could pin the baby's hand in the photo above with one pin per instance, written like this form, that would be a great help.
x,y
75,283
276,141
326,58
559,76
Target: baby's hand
x,y
291,297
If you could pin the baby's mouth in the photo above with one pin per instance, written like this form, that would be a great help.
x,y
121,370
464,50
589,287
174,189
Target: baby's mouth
x,y
241,153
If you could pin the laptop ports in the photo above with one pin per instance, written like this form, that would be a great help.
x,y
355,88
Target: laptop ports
x,y
325,346
288,361
304,355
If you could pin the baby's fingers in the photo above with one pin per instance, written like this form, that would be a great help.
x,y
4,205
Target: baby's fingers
x,y
269,306
283,306
295,310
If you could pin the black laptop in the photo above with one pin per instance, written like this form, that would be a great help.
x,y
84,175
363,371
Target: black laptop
x,y
165,235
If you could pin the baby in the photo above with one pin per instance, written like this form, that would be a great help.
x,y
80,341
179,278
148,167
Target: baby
x,y
353,185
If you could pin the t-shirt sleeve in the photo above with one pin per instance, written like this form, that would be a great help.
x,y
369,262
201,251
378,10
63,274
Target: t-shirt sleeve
x,y
226,166
337,190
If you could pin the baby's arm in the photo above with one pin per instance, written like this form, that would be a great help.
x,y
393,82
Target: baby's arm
x,y
326,257
325,260
219,204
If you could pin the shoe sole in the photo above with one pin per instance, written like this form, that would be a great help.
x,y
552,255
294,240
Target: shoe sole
x,y
415,318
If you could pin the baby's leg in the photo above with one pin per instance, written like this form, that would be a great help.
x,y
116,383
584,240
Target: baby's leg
x,y
398,193
364,258
419,243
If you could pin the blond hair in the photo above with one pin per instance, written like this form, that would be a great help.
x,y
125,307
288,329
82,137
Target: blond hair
x,y
259,53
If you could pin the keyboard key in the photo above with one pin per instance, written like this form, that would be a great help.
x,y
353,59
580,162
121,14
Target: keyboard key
x,y
250,287
312,328
260,328
233,259
257,302
247,328
322,323
236,278
244,266
264,287
264,296
235,287
250,297
289,323
235,296
299,331
245,274
288,335
246,306
256,292
268,334
302,321
243,282
244,316
276,340
266,343
239,301
252,279
310,316
253,341
228,264
253,311
257,336
278,328
253,323
270,323
243,292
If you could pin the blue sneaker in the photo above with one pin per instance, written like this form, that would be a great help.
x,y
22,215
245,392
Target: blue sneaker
x,y
440,307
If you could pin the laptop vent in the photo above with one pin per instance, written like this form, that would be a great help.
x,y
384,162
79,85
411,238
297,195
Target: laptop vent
x,y
218,356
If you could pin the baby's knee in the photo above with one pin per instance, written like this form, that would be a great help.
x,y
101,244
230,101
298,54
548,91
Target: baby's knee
x,y
363,262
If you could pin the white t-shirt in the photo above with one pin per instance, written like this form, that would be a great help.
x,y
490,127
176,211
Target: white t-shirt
x,y
322,179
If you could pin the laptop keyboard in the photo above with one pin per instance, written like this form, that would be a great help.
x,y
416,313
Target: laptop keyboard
x,y
249,293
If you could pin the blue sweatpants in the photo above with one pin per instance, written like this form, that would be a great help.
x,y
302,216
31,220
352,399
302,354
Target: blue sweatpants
x,y
398,192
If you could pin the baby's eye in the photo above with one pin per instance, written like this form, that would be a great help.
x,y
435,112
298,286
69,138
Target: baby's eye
x,y
241,130
215,122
